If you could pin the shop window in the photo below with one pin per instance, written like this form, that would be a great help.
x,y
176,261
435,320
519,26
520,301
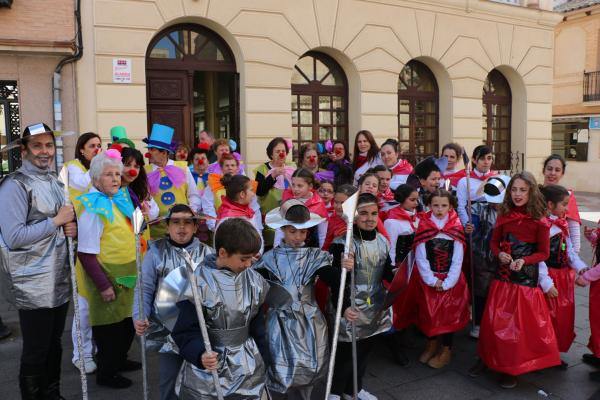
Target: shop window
x,y
418,112
319,100
570,139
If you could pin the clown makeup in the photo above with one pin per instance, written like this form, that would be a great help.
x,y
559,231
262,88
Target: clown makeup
x,y
311,160
91,148
200,163
131,170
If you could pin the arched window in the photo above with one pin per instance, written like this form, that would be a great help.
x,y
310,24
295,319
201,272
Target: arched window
x,y
418,113
319,100
192,84
497,102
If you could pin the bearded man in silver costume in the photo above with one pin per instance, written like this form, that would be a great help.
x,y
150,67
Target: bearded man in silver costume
x,y
34,224
371,267
231,297
165,255
296,328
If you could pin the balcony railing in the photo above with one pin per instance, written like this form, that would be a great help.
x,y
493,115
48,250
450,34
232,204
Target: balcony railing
x,y
591,86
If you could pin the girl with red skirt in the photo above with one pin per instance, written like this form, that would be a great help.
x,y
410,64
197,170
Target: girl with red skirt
x,y
516,333
562,265
440,288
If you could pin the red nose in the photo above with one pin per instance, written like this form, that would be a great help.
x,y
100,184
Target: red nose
x,y
96,151
281,155
132,173
312,158
338,152
200,162
147,155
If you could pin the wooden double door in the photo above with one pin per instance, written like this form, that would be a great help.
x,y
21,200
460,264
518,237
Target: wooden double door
x,y
191,101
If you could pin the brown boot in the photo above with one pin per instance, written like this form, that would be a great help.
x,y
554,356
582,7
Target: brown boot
x,y
441,359
431,349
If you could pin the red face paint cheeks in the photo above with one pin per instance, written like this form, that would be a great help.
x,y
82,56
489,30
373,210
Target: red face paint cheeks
x,y
147,155
132,173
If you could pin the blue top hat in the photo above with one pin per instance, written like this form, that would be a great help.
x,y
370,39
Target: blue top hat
x,y
161,137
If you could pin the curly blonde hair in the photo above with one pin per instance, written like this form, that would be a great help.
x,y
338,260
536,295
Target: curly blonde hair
x,y
536,206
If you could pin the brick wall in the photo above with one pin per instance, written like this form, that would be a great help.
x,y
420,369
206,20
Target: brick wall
x,y
47,20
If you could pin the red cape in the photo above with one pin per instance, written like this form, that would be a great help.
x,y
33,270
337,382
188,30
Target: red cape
x,y
402,167
484,176
573,209
315,203
517,215
454,177
401,214
232,209
428,230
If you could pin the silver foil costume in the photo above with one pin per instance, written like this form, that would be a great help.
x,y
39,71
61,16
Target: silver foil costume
x,y
370,260
165,257
296,328
37,275
230,302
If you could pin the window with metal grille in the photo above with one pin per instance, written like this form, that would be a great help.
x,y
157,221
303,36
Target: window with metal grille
x,y
418,113
496,118
319,100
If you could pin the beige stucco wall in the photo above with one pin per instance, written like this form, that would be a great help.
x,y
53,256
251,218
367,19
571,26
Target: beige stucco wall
x,y
460,40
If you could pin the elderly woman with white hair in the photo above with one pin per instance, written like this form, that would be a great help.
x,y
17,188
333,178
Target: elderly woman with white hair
x,y
106,251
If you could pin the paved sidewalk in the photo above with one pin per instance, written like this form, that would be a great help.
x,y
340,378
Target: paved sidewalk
x,y
384,378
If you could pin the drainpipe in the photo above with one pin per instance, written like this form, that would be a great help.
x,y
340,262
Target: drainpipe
x,y
56,80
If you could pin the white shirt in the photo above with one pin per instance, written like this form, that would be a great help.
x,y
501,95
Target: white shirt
x,y
395,228
455,266
193,197
78,179
461,194
89,231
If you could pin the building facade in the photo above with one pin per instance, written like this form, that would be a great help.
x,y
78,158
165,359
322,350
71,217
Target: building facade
x,y
35,35
425,72
576,107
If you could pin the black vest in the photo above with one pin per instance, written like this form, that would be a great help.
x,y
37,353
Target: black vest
x,y
528,275
439,254
558,252
403,246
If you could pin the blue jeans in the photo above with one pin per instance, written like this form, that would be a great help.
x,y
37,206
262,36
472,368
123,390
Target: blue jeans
x,y
169,365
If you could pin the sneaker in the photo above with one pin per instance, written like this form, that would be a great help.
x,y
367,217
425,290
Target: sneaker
x,y
364,395
89,365
474,333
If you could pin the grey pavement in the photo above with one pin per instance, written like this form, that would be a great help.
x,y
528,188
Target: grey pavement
x,y
384,378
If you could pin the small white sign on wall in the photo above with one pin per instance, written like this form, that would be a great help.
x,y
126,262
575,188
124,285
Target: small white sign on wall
x,y
122,70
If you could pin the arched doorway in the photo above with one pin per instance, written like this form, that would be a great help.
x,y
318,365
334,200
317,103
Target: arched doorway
x,y
497,101
418,112
319,100
192,83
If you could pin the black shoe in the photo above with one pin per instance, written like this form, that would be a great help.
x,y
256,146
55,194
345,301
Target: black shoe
x,y
393,341
595,376
477,369
4,332
563,366
32,387
508,381
591,359
53,391
115,381
129,365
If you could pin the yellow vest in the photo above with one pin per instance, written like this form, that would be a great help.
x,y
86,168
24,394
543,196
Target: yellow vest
x,y
167,196
117,258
